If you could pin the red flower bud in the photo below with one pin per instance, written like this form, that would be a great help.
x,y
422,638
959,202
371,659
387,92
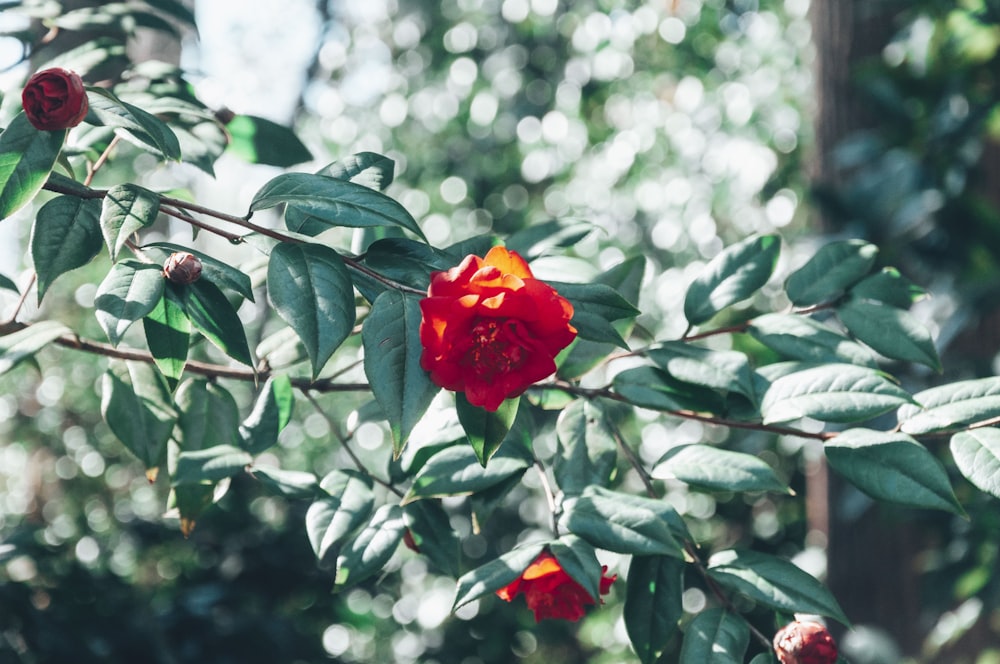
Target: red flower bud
x,y
805,643
54,99
552,593
182,268
490,329
410,542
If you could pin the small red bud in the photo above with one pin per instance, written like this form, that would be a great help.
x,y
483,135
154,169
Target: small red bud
x,y
410,543
182,268
805,643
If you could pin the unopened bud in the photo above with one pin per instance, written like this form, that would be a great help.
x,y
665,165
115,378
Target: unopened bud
x,y
410,542
805,643
182,268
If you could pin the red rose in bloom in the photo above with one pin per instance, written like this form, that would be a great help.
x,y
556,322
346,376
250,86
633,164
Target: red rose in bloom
x,y
550,592
491,329
805,643
54,99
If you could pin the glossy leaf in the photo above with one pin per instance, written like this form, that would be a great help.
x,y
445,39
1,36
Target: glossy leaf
x,y
209,465
406,261
126,208
774,582
653,603
66,235
219,273
714,369
146,127
595,307
370,169
456,471
587,451
577,558
717,469
333,203
216,319
261,141
311,290
890,287
495,574
6,283
621,522
539,239
207,415
892,332
272,411
892,467
368,553
952,405
485,430
801,338
27,155
294,484
391,339
652,388
832,393
346,506
136,405
130,291
432,533
833,269
715,636
734,274
977,455
168,335
15,347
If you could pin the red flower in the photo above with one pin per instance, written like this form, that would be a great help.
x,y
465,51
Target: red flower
x,y
805,643
550,592
491,329
54,99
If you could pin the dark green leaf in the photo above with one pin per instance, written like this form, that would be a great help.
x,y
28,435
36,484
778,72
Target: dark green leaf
x,y
890,331
126,209
621,522
168,335
207,415
578,559
653,603
774,582
735,274
136,405
888,286
801,338
18,346
335,517
260,141
406,261
977,455
595,306
649,387
212,314
715,636
111,111
368,553
832,393
66,235
294,484
130,291
953,405
6,283
432,533
221,274
372,170
312,291
714,369
209,465
271,413
485,430
831,271
892,467
456,471
587,452
720,470
495,574
539,239
26,157
391,338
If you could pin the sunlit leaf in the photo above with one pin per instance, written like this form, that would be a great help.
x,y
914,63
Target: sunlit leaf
x,y
209,465
66,235
130,291
495,574
587,452
126,208
735,274
977,455
715,636
261,141
486,430
718,469
111,111
832,393
18,346
892,332
345,508
832,270
216,319
27,155
801,338
952,405
368,553
455,471
272,411
621,522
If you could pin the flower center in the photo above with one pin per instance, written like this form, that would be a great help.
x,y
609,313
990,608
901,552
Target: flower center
x,y
493,348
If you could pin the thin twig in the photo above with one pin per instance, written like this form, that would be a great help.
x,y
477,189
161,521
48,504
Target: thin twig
x,y
550,497
93,168
22,299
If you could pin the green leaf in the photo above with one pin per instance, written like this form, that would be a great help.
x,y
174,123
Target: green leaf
x,y
212,314
260,141
485,430
587,451
892,467
6,283
432,533
406,261
892,332
294,484
208,466
126,209
207,415
774,582
578,559
66,235
334,518
800,338
202,141
715,636
653,603
130,291
720,470
537,240
168,335
27,155
18,346
221,274
136,405
495,574
368,553
312,291
621,522
890,287
953,405
456,471
652,388
735,274
111,111
391,339
831,271
329,202
369,169
832,393
595,306
714,369
977,455
272,411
